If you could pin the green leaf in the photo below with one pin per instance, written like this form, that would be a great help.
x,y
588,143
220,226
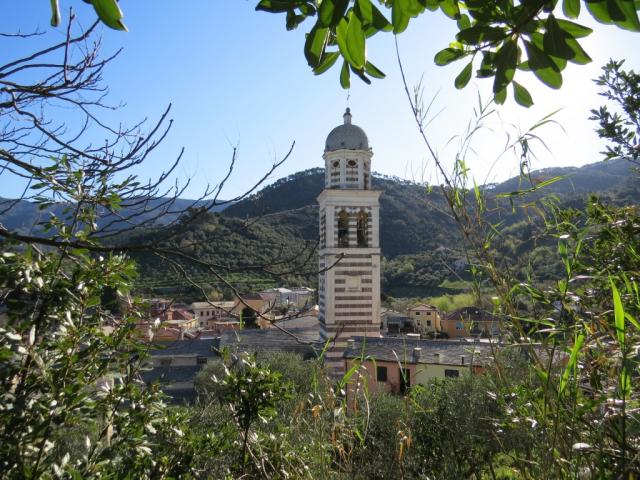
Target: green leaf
x,y
344,76
364,11
463,22
374,71
572,363
500,96
543,66
275,6
579,55
325,12
379,21
360,73
331,11
356,43
480,33
619,12
574,29
328,60
399,19
109,13
315,44
555,40
618,313
505,62
571,8
293,20
55,13
463,77
450,8
448,55
522,95
412,8
341,38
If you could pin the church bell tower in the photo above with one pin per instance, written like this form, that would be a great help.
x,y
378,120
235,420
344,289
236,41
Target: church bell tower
x,y
349,253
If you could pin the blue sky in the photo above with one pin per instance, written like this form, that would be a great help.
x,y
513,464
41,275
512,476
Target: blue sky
x,y
237,77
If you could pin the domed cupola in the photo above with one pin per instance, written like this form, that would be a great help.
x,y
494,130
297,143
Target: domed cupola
x,y
347,157
347,136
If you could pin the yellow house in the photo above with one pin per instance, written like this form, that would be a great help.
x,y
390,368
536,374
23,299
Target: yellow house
x,y
395,364
425,317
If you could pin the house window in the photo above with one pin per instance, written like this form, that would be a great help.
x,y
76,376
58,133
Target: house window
x,y
201,314
417,313
459,326
201,360
381,374
343,229
451,373
428,323
165,362
363,231
202,324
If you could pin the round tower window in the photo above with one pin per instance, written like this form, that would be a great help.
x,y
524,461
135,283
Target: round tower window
x,y
336,163
352,163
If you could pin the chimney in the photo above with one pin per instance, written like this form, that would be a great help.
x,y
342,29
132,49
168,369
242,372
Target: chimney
x,y
462,359
417,353
436,357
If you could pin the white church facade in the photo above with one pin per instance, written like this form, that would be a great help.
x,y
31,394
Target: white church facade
x,y
349,251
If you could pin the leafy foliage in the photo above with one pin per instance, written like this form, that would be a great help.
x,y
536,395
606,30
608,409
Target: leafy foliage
x,y
495,36
622,127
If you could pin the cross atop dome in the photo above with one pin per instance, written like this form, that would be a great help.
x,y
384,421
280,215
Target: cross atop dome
x,y
347,116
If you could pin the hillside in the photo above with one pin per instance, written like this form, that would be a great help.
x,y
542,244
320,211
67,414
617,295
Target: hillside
x,y
420,243
26,217
276,229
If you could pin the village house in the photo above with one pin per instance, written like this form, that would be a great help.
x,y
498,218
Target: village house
x,y
175,364
208,313
396,323
221,315
470,322
426,318
297,297
393,365
175,321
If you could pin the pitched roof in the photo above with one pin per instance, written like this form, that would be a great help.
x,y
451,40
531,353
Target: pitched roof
x,y
402,349
472,313
251,296
422,306
303,341
228,305
198,347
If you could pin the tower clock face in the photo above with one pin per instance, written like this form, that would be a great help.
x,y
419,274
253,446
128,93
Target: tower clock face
x,y
336,163
352,163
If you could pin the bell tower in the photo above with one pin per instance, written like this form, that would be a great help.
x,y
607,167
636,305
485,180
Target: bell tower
x,y
349,253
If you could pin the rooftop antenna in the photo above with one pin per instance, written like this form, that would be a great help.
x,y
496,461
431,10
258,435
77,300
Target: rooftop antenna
x,y
348,96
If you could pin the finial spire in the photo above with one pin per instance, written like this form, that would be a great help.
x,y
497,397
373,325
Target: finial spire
x,y
347,116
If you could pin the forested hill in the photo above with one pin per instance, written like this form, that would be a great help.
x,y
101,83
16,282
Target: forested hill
x,y
420,242
412,219
415,219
